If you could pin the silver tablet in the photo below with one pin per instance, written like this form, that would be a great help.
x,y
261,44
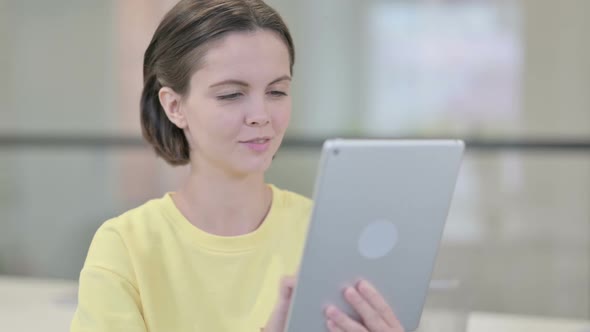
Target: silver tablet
x,y
379,211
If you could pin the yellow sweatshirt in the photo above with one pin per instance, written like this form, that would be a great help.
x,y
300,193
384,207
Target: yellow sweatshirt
x,y
151,270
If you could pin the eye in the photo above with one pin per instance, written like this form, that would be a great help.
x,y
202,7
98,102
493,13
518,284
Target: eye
x,y
276,93
231,96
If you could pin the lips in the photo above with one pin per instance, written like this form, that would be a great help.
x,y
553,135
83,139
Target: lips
x,y
258,140
258,144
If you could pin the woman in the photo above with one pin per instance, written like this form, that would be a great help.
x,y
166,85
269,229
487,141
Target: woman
x,y
211,256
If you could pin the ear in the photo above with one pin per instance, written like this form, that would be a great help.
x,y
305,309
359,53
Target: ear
x,y
171,103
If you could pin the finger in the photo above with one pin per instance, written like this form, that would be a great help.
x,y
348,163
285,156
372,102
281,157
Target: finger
x,y
374,298
286,293
333,327
371,318
279,315
286,287
343,321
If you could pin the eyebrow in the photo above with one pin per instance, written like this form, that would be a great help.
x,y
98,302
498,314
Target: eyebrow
x,y
242,83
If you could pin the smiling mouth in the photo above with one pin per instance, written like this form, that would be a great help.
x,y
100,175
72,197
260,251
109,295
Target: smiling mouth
x,y
258,145
257,140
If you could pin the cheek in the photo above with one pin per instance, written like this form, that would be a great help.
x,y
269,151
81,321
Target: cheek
x,y
228,123
220,123
214,126
281,118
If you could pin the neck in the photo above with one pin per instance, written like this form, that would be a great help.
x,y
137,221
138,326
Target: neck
x,y
224,205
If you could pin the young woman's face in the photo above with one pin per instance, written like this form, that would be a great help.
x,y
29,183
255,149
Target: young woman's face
x,y
239,103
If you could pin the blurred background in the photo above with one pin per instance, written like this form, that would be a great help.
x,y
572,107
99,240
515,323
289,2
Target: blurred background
x,y
511,77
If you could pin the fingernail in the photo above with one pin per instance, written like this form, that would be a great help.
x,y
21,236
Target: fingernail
x,y
359,285
349,292
331,312
363,285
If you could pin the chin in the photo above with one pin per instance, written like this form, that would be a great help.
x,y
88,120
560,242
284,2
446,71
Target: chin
x,y
254,165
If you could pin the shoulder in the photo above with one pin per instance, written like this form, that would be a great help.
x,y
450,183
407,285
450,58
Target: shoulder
x,y
131,229
292,203
137,219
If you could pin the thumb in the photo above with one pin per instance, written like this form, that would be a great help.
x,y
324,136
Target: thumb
x,y
278,318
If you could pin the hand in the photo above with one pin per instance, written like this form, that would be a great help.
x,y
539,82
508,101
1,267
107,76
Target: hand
x,y
278,319
375,313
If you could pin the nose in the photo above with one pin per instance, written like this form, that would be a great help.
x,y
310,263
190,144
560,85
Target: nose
x,y
258,122
258,116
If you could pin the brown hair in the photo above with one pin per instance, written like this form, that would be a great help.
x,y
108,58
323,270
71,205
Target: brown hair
x,y
175,51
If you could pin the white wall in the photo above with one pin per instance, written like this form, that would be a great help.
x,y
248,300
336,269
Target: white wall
x,y
60,66
57,78
330,79
557,68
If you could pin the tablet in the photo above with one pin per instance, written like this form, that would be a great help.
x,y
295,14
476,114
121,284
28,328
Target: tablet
x,y
379,211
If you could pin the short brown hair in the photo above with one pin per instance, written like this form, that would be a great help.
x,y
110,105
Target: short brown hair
x,y
175,51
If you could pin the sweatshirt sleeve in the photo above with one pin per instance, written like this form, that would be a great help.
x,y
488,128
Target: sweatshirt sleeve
x,y
108,297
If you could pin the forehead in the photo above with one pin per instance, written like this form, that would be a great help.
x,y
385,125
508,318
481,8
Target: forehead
x,y
253,54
